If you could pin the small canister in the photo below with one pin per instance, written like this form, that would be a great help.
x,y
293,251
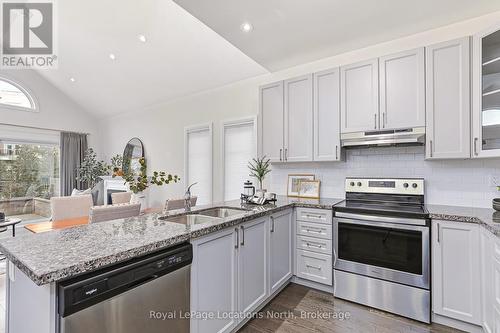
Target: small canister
x,y
248,189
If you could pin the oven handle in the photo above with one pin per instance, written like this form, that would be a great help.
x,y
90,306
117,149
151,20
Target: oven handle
x,y
382,225
381,219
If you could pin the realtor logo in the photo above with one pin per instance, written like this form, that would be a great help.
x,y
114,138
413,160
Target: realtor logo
x,y
28,35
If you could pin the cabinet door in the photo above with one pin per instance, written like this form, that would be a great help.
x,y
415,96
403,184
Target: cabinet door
x,y
280,249
448,99
487,281
298,119
486,94
359,107
272,118
327,115
252,265
402,90
213,280
456,271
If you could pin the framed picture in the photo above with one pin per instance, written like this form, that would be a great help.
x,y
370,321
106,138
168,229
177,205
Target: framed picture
x,y
294,182
309,189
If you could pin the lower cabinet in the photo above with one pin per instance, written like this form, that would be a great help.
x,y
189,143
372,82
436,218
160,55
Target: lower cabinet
x,y
487,281
280,247
235,270
456,291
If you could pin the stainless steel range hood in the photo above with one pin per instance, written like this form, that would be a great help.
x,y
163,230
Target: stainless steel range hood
x,y
384,138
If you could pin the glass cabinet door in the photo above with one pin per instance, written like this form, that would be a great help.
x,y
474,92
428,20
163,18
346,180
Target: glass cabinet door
x,y
487,95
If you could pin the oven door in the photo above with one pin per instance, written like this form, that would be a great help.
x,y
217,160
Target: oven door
x,y
391,251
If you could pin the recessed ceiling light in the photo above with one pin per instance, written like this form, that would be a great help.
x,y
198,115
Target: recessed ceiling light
x,y
72,79
246,27
112,56
142,38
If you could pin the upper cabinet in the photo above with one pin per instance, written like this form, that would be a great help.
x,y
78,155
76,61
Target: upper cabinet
x,y
272,117
486,94
327,115
359,97
298,119
402,90
448,99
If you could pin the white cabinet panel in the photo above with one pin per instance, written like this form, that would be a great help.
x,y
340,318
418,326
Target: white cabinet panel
x,y
272,121
327,115
456,271
252,265
359,105
487,281
402,90
314,267
497,321
314,215
314,230
298,119
280,249
448,99
213,280
314,244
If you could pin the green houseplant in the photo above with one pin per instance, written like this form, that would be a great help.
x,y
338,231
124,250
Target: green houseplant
x,y
91,169
140,182
259,168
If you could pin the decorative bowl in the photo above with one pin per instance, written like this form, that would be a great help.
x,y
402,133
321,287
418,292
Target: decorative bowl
x,y
496,204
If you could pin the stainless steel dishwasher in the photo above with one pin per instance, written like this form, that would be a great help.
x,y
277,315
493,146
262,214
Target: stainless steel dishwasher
x,y
147,295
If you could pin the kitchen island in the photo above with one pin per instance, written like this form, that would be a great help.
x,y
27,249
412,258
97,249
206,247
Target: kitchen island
x,y
36,263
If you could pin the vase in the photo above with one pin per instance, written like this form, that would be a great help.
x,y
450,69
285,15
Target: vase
x,y
140,197
260,193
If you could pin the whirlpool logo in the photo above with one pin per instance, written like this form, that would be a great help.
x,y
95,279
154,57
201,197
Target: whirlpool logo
x,y
28,35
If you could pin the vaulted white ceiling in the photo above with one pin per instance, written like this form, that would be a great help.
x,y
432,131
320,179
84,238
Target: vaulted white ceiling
x,y
291,32
181,55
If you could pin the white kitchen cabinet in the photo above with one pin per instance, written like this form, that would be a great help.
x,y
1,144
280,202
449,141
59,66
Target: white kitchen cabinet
x,y
213,280
486,94
456,292
298,119
272,116
402,90
487,281
327,115
280,249
448,99
359,99
252,265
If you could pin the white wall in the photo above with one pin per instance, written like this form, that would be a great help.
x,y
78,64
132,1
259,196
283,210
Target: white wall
x,y
161,126
55,110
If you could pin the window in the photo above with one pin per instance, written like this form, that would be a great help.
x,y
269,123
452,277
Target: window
x,y
198,162
29,171
13,95
239,147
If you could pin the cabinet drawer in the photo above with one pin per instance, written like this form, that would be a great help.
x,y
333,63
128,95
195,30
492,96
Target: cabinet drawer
x,y
314,267
314,215
314,244
314,230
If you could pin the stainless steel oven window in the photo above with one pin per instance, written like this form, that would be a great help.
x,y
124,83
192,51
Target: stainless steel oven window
x,y
391,251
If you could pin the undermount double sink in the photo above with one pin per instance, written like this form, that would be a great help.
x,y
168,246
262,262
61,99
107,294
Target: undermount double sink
x,y
205,216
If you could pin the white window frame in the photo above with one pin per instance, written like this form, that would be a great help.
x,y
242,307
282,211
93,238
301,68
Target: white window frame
x,y
194,129
26,92
232,123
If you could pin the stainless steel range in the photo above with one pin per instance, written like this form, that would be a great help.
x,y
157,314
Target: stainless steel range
x,y
382,246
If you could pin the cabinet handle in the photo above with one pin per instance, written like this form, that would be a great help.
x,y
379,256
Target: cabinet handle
x,y
286,154
272,224
384,116
317,231
314,216
336,152
439,237
313,245
281,152
237,238
315,267
475,146
375,121
431,147
242,236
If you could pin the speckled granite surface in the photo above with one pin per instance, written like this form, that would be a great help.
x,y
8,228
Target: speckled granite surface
x,y
58,255
488,218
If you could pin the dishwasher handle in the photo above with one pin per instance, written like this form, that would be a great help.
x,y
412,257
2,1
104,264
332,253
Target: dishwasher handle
x,y
82,292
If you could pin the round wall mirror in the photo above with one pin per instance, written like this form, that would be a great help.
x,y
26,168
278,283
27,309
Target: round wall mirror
x,y
133,152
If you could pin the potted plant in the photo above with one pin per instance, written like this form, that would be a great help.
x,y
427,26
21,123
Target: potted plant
x,y
138,183
91,169
259,168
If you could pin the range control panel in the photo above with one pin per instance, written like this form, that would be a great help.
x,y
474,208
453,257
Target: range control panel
x,y
407,186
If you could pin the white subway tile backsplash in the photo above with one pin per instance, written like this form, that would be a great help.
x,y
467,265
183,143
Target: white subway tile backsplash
x,y
448,182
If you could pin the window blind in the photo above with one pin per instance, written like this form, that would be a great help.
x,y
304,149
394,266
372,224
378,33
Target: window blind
x,y
199,163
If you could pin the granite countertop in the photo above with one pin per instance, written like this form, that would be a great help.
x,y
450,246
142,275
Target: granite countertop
x,y
61,254
488,218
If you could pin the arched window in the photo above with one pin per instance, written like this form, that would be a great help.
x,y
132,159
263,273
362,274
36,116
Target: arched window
x,y
13,95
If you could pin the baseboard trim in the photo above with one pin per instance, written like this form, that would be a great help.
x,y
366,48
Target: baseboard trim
x,y
455,323
312,284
